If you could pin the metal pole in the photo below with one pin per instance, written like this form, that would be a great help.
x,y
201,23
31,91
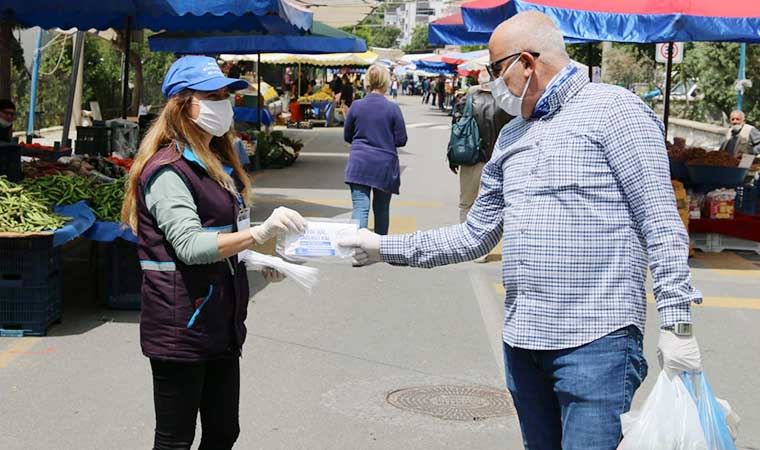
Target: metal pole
x,y
668,74
589,56
35,78
742,75
259,102
78,47
125,69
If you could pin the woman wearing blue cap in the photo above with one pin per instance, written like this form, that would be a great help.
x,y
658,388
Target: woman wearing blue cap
x,y
187,201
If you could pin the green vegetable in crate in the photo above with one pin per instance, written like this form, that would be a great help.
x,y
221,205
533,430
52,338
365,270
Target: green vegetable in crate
x,y
57,190
22,212
107,200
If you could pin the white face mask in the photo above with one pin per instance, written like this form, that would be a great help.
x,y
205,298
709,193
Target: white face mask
x,y
4,123
736,128
506,100
215,116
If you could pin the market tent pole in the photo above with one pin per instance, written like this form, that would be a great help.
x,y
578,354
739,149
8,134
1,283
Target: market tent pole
x,y
742,75
298,94
78,48
668,75
259,98
35,78
125,68
589,55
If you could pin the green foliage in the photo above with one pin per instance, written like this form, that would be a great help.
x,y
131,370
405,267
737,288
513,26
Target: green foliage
x,y
375,36
472,48
580,53
419,41
715,66
102,75
627,64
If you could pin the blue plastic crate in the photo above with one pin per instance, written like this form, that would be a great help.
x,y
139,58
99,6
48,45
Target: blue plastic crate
x,y
28,261
29,310
120,276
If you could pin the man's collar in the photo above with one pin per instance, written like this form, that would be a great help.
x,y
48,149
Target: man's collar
x,y
565,84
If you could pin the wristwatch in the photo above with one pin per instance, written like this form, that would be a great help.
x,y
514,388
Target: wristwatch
x,y
680,329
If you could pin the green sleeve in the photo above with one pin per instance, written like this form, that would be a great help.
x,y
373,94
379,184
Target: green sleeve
x,y
172,205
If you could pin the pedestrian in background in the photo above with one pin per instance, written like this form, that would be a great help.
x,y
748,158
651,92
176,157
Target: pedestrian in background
x,y
188,203
394,87
584,212
7,116
490,119
742,137
425,90
375,129
440,90
347,91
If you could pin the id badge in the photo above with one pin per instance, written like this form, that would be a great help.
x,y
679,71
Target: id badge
x,y
244,219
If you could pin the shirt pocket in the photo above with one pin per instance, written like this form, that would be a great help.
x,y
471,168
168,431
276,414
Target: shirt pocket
x,y
572,161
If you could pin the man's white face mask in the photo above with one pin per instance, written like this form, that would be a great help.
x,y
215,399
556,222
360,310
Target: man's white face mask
x,y
506,100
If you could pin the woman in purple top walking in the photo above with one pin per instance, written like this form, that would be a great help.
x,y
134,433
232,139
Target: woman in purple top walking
x,y
375,128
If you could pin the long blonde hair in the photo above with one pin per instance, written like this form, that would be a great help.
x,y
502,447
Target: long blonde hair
x,y
175,127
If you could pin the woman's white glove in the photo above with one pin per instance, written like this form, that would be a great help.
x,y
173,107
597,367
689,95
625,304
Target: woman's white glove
x,y
678,354
366,246
281,221
272,275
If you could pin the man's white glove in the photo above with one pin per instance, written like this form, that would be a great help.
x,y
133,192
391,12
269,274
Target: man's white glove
x,y
281,221
366,245
678,353
272,275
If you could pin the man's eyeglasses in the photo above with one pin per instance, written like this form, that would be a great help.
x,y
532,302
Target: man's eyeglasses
x,y
494,68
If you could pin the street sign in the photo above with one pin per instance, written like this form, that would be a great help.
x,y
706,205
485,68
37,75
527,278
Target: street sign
x,y
661,53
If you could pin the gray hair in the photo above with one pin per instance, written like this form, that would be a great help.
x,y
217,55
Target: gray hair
x,y
736,112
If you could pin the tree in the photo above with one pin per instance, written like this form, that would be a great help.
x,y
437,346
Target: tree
x,y
419,41
715,66
626,66
375,36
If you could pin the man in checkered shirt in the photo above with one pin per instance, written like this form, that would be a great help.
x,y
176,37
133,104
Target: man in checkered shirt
x,y
579,190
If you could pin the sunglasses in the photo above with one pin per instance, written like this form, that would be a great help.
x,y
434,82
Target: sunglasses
x,y
494,68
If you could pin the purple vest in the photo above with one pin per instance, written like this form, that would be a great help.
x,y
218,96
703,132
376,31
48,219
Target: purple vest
x,y
190,312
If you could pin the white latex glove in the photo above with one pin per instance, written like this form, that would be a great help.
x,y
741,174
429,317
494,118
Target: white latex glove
x,y
272,275
366,245
678,353
281,221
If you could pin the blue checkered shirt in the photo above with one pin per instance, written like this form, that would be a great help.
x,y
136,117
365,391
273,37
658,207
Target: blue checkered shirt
x,y
581,197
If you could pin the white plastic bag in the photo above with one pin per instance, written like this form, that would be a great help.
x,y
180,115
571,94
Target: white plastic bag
x,y
305,277
668,420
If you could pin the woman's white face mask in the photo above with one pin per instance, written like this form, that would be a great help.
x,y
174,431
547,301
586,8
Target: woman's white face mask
x,y
506,100
214,116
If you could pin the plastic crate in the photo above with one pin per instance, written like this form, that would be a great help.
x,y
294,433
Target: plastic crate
x,y
45,155
29,310
702,241
748,200
10,162
28,261
93,141
722,242
120,276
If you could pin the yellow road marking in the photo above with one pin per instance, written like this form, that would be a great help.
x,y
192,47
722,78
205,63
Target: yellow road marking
x,y
707,302
20,346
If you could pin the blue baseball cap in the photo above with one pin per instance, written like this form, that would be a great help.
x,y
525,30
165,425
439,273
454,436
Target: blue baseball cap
x,y
199,73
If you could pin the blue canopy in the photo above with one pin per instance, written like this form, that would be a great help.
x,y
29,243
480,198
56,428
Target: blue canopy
x,y
174,15
435,66
450,30
322,39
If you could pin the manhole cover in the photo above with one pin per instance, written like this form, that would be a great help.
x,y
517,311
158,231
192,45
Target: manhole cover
x,y
452,402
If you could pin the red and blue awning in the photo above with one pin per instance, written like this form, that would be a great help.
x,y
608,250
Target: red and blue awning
x,y
450,30
634,21
483,16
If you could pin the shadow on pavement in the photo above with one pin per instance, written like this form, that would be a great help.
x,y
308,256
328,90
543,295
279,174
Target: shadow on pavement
x,y
264,204
726,260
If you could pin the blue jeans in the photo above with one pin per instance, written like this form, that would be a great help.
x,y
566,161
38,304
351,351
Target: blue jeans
x,y
381,205
572,399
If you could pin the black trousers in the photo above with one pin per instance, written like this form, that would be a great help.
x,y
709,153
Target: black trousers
x,y
180,390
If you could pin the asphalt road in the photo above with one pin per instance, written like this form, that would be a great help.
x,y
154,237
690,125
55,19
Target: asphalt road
x,y
317,369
